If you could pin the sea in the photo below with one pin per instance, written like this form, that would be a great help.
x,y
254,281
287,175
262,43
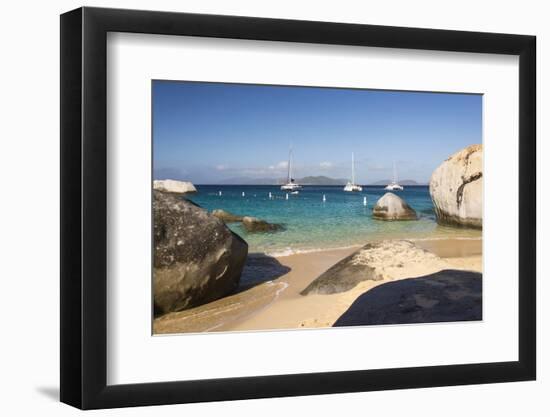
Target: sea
x,y
311,222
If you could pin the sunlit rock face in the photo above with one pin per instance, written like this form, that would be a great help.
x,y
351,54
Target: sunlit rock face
x,y
456,188
174,187
393,207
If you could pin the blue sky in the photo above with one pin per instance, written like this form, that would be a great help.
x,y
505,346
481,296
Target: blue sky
x,y
213,132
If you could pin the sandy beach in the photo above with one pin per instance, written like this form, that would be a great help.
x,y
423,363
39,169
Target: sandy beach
x,y
278,304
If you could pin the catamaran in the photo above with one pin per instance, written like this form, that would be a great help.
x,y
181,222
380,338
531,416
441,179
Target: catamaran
x,y
290,185
394,185
351,186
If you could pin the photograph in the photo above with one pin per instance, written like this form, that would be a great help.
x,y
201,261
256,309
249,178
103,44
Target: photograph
x,y
292,207
338,208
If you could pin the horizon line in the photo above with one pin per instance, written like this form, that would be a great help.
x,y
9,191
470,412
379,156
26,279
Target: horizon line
x,y
307,185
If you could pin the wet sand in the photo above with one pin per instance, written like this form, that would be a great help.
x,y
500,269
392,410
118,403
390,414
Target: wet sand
x,y
277,304
452,248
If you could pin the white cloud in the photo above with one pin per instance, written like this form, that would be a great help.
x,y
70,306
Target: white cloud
x,y
221,167
279,166
326,164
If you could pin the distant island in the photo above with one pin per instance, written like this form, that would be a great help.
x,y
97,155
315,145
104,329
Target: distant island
x,y
321,180
309,180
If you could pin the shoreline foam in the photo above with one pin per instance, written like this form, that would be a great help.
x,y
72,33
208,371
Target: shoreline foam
x,y
297,251
291,252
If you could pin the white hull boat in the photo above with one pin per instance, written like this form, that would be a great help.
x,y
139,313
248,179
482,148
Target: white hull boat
x,y
351,186
394,185
290,185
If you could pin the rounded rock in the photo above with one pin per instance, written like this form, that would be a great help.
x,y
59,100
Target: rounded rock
x,y
253,225
197,259
226,216
393,207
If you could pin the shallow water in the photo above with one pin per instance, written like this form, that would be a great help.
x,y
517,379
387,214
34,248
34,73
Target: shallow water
x,y
310,224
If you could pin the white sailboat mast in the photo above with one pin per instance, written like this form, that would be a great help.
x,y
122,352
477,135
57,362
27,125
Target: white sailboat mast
x,y
290,184
289,179
352,168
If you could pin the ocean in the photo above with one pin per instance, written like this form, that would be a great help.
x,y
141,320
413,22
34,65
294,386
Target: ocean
x,y
310,224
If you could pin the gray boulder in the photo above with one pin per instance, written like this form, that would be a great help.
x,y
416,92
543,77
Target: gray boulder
x,y
376,261
197,259
253,225
344,275
456,188
445,296
226,216
393,207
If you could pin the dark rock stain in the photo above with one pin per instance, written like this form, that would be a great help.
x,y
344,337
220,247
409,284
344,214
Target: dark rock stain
x,y
465,181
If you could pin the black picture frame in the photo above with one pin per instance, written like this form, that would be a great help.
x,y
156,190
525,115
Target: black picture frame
x,y
84,207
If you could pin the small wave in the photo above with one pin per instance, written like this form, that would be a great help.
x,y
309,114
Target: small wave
x,y
281,253
290,251
282,286
421,239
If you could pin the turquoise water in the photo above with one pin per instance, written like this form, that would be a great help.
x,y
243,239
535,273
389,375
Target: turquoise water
x,y
309,223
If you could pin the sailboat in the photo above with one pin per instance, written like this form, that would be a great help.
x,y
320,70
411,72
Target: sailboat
x,y
394,185
351,186
290,185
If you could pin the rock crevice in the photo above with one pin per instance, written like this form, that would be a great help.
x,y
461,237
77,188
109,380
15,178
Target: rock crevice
x,y
465,182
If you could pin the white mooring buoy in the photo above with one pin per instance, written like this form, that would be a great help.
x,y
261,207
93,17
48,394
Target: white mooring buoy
x,y
324,198
286,198
243,194
365,201
270,196
219,193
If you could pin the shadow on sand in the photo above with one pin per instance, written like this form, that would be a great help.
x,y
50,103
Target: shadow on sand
x,y
255,291
445,296
260,268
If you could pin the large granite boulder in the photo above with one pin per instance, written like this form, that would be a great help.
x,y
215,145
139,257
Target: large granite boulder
x,y
197,259
341,277
456,188
377,261
174,187
253,225
226,216
393,207
445,296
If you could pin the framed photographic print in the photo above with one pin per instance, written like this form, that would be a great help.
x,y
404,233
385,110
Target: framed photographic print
x,y
257,208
